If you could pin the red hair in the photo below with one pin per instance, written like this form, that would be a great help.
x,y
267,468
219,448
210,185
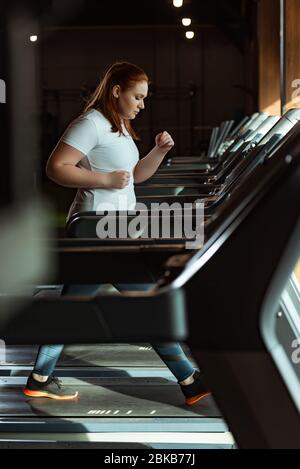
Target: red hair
x,y
125,75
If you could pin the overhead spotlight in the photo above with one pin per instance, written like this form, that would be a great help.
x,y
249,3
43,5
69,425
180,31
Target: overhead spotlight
x,y
189,34
177,3
33,38
186,21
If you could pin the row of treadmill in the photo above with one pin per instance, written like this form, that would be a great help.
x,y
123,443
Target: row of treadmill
x,y
220,297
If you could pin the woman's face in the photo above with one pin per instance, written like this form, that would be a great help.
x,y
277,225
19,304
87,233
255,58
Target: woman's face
x,y
131,101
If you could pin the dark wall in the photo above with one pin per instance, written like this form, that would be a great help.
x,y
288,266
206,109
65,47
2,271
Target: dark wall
x,y
75,58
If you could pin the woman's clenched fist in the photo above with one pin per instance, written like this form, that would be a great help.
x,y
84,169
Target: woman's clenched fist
x,y
164,141
118,179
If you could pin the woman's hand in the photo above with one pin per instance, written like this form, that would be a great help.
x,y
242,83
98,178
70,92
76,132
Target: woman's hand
x,y
164,141
117,179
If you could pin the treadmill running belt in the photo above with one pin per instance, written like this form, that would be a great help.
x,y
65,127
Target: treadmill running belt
x,y
111,397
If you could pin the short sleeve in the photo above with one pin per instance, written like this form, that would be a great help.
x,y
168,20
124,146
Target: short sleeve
x,y
81,134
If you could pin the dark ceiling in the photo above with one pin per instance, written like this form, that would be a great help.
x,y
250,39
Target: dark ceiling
x,y
141,12
234,17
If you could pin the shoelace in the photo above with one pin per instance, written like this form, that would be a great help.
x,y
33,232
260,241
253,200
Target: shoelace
x,y
56,381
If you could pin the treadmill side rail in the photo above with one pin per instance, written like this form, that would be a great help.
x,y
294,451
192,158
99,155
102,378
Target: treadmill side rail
x,y
127,317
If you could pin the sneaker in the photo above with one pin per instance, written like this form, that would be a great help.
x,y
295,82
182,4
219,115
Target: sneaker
x,y
52,388
196,391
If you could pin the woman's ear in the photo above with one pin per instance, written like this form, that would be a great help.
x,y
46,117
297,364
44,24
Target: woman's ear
x,y
116,91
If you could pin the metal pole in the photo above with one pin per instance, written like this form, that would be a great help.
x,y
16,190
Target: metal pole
x,y
282,57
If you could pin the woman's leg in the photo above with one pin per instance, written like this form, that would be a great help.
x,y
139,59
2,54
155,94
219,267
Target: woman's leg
x,y
175,359
191,381
46,360
41,383
48,355
170,353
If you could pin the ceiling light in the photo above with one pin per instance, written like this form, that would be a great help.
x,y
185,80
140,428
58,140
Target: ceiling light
x,y
189,34
186,21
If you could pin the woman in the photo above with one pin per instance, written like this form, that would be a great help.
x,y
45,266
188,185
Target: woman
x,y
98,156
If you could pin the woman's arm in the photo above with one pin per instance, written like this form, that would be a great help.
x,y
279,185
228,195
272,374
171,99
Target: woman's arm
x,y
61,168
147,166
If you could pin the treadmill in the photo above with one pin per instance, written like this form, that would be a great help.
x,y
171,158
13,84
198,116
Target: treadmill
x,y
178,185
231,335
184,279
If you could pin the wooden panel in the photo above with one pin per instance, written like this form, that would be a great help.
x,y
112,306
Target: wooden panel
x,y
297,271
269,56
292,33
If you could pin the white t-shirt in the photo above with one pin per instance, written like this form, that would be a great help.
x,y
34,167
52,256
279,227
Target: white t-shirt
x,y
105,151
